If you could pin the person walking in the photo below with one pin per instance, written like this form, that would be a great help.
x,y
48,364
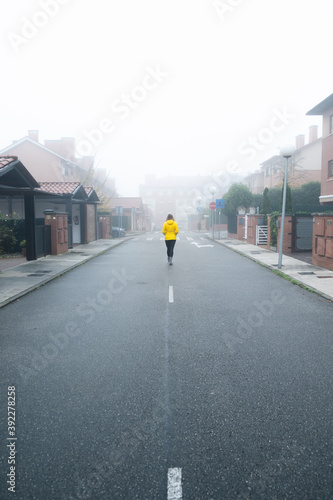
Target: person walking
x,y
170,231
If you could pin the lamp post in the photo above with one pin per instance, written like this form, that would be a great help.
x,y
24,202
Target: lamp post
x,y
199,210
212,191
286,152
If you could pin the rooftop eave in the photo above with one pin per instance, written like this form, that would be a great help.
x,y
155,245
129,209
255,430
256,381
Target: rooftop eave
x,y
322,107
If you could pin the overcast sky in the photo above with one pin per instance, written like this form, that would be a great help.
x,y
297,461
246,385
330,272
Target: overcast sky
x,y
165,86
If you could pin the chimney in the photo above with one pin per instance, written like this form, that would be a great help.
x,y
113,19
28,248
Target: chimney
x,y
33,135
313,133
300,141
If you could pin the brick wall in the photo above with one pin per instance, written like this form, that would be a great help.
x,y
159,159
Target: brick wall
x,y
252,222
287,246
106,226
240,227
268,232
322,241
59,232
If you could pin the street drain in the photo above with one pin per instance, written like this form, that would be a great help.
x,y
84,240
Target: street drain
x,y
324,276
305,272
255,251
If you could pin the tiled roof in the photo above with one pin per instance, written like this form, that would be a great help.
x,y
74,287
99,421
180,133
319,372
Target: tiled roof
x,y
59,187
6,160
88,189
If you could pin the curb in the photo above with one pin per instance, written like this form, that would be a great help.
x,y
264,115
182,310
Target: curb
x,y
57,275
278,272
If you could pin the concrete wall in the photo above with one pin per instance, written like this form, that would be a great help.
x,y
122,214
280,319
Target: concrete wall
x,y
90,223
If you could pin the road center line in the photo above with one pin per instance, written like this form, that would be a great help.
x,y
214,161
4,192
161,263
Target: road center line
x,y
175,490
170,293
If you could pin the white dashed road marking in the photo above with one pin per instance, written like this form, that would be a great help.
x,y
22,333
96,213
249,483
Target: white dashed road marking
x,y
170,293
175,490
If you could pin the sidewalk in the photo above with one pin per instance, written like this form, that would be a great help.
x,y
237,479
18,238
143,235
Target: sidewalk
x,y
23,278
316,279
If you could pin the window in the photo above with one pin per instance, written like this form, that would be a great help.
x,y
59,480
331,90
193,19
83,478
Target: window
x,y
330,168
331,124
268,171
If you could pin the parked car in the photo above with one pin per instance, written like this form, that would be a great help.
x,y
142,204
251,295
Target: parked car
x,y
118,232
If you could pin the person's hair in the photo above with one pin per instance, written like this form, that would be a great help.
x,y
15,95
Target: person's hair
x,y
170,217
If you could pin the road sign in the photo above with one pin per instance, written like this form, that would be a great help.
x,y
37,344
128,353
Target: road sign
x,y
199,210
212,205
219,203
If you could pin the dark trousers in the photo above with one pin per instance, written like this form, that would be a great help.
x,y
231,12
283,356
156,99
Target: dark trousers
x,y
170,244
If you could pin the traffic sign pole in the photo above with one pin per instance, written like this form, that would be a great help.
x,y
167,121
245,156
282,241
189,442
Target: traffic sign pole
x,y
212,206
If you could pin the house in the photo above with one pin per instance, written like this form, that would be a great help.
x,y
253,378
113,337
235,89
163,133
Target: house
x,y
325,108
22,198
18,191
130,213
305,166
55,161
78,202
322,249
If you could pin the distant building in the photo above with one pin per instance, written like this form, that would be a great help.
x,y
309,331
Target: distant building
x,y
55,162
179,196
305,166
131,214
325,108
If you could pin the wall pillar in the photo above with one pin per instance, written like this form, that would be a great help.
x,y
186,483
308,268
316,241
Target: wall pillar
x,y
30,227
59,231
287,246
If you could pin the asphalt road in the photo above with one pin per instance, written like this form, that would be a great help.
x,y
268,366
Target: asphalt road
x,y
208,379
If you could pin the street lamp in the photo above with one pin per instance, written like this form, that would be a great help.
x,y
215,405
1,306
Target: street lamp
x,y
199,210
286,152
212,191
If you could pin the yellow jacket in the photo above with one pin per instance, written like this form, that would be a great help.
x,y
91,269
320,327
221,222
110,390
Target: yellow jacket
x,y
170,230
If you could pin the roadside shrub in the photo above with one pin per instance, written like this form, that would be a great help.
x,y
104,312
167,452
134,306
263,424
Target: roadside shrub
x,y
274,232
7,239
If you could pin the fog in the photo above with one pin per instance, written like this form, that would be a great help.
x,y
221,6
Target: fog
x,y
176,87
